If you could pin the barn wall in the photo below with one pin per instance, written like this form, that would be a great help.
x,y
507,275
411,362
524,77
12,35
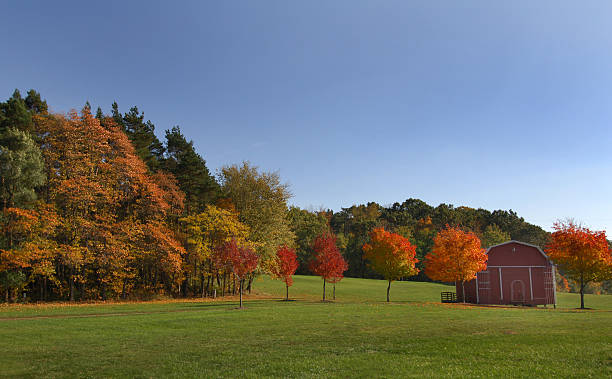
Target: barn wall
x,y
516,286
516,254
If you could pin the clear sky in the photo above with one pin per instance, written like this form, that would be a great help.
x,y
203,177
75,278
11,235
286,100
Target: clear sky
x,y
499,105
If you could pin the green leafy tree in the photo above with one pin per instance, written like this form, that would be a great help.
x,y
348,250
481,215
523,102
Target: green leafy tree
x,y
261,201
493,235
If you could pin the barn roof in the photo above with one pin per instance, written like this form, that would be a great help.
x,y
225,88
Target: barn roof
x,y
522,243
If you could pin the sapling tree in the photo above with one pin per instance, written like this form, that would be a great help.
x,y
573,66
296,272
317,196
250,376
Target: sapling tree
x,y
241,259
286,264
390,255
327,261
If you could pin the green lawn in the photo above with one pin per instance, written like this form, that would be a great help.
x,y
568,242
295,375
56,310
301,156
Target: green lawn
x,y
358,335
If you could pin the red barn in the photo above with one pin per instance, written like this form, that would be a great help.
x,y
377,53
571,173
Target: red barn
x,y
517,273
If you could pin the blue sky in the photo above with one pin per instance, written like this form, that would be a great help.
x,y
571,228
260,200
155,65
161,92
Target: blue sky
x,y
499,105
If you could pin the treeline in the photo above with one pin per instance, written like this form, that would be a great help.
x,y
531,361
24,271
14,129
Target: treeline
x,y
96,206
413,219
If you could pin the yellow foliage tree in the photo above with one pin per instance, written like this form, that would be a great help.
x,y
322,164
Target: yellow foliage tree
x,y
209,230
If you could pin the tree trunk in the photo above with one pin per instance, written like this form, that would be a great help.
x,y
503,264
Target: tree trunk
x,y
241,283
203,287
250,283
72,289
323,289
388,288
123,290
334,291
287,298
223,289
581,292
201,284
72,284
463,290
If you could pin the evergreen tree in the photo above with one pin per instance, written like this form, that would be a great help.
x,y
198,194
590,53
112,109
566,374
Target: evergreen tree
x,y
14,113
35,103
189,168
21,168
116,115
141,134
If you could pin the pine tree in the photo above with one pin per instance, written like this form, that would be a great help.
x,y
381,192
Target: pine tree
x,y
142,135
21,168
14,113
190,170
35,103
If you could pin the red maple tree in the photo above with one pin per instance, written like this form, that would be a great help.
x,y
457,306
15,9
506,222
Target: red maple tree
x,y
327,261
241,259
286,265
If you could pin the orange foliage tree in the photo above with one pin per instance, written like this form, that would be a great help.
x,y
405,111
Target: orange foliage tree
x,y
390,255
456,257
285,266
583,254
327,261
113,215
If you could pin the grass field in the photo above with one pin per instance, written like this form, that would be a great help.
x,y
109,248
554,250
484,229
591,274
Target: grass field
x,y
357,335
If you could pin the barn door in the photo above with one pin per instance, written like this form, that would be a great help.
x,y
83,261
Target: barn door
x,y
517,291
484,287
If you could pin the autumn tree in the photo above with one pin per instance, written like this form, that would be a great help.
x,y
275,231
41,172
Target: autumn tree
x,y
582,254
327,261
261,201
242,260
306,226
206,232
390,255
456,257
112,214
285,266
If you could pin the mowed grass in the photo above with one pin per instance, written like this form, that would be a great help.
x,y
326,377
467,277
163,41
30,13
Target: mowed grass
x,y
358,335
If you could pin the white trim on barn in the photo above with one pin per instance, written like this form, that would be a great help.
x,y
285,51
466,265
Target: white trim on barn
x,y
477,297
530,284
501,285
554,278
